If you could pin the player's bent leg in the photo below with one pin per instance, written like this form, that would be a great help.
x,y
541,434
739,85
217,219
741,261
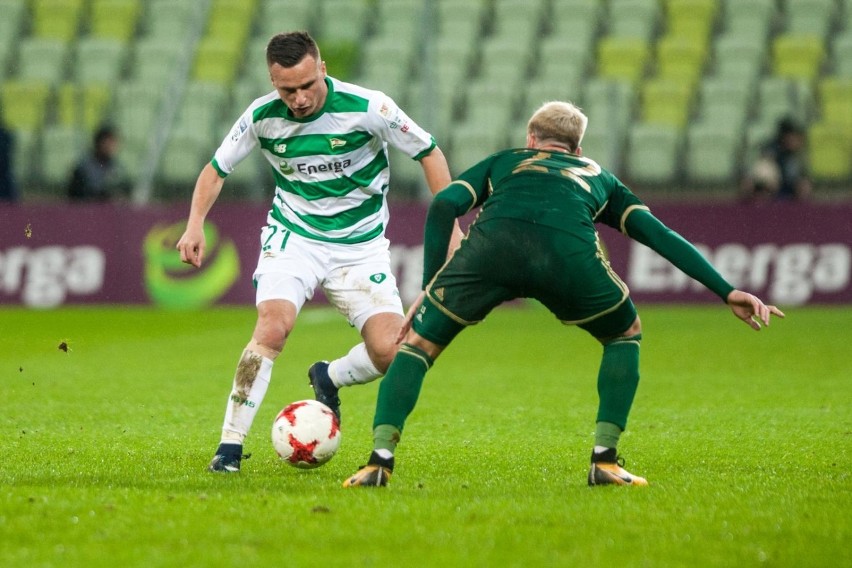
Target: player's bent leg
x,y
325,391
618,380
398,394
379,333
364,363
251,381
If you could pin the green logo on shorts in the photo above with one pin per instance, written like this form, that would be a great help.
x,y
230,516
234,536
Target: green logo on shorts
x,y
378,278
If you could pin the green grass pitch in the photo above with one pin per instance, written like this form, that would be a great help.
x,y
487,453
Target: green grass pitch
x,y
745,438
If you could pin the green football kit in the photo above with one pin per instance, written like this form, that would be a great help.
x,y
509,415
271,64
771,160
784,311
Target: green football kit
x,y
535,237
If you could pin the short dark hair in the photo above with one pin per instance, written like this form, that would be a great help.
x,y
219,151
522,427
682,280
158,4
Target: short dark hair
x,y
288,49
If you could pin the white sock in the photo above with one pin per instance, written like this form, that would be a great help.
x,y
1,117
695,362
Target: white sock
x,y
250,384
355,368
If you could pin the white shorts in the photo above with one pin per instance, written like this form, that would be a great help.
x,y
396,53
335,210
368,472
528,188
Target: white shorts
x,y
356,279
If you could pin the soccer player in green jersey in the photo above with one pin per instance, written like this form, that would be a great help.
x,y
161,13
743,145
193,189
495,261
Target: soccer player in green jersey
x,y
535,237
327,144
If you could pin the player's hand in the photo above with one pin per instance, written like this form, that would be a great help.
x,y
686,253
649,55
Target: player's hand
x,y
751,309
409,317
191,246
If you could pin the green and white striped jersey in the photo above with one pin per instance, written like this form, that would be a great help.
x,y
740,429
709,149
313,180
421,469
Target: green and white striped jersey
x,y
331,169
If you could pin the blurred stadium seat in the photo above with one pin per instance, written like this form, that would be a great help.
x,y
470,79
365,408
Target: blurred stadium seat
x,y
798,56
653,155
56,19
62,146
829,152
712,153
623,57
115,19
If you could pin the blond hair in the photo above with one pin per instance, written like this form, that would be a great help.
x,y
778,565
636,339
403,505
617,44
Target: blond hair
x,y
559,122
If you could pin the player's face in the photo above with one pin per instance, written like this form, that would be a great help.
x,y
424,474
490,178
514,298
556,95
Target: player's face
x,y
301,87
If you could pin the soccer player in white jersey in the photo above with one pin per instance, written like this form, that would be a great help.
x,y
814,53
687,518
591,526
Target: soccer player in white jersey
x,y
326,141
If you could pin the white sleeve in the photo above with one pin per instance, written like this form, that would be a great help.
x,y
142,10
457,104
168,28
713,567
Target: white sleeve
x,y
400,131
237,145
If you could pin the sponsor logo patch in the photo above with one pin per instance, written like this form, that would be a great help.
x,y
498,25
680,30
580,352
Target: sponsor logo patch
x,y
241,127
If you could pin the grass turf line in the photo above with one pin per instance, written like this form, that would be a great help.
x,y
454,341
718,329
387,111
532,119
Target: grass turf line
x,y
744,436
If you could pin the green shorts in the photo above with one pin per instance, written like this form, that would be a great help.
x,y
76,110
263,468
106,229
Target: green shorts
x,y
505,259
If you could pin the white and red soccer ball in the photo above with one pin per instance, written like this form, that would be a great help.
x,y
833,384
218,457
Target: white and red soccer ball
x,y
306,434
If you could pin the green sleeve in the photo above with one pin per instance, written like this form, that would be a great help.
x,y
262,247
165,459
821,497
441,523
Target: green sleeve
x,y
452,202
642,226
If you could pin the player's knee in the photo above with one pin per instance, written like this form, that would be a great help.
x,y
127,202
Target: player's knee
x,y
382,353
634,329
272,330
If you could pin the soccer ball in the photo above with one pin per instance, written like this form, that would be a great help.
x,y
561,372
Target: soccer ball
x,y
306,434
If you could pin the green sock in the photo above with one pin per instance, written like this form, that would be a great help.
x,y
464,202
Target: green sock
x,y
385,437
607,434
618,379
398,394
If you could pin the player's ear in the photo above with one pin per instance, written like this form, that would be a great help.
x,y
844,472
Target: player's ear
x,y
530,140
579,151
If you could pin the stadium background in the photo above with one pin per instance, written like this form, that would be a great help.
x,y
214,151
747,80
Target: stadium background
x,y
680,95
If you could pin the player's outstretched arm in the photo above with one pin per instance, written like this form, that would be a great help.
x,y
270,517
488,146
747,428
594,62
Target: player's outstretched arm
x,y
437,174
751,309
191,245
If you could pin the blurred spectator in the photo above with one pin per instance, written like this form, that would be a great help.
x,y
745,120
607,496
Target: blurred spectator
x,y
8,189
780,171
99,176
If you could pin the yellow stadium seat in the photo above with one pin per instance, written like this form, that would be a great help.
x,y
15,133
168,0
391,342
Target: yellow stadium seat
x,y
691,18
230,22
666,101
215,62
835,94
829,152
624,58
798,56
681,58
57,19
83,105
24,103
114,19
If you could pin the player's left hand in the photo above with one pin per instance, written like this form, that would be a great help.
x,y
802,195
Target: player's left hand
x,y
409,317
751,309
